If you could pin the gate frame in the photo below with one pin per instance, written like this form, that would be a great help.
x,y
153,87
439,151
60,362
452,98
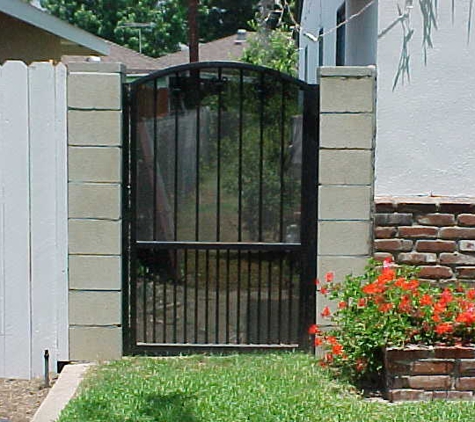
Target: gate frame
x,y
308,219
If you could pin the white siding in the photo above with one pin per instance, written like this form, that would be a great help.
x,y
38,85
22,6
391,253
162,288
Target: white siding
x,y
316,15
361,33
33,236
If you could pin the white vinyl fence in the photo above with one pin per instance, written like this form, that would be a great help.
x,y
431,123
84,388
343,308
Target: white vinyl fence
x,y
33,218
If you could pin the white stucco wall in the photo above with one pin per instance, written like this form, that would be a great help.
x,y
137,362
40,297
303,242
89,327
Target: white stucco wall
x,y
424,127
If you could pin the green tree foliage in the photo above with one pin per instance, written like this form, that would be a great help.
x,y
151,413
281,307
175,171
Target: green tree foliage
x,y
275,49
273,44
105,18
217,18
220,18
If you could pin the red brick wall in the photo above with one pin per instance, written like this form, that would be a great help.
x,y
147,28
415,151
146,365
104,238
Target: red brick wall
x,y
437,234
427,373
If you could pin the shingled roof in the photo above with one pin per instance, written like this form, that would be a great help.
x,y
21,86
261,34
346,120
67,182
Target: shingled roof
x,y
223,49
136,63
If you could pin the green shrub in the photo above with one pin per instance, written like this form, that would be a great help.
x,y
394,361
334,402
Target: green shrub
x,y
390,307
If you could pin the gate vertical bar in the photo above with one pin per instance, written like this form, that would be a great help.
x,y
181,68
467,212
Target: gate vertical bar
x,y
282,163
175,209
269,299
261,154
185,298
133,216
248,303
227,294
155,206
207,298
241,111
218,200
261,201
281,210
197,198
309,217
291,296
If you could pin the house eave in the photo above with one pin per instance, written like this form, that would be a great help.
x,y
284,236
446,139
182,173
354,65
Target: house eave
x,y
72,37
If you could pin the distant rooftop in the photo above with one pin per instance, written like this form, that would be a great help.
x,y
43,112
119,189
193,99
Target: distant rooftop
x,y
135,62
223,49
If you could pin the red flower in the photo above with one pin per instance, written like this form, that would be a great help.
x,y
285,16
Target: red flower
x,y
386,276
387,262
316,282
426,300
407,285
411,285
400,282
466,318
329,276
362,302
342,305
373,288
337,349
444,328
471,294
313,329
326,312
317,342
324,291
405,305
439,307
385,307
446,296
332,340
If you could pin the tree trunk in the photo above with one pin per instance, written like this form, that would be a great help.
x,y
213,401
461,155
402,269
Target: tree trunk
x,y
193,37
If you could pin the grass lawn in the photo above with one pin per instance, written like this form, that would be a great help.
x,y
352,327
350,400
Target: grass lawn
x,y
257,387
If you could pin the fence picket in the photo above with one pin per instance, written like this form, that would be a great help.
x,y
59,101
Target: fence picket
x,y
33,218
61,212
15,354
44,187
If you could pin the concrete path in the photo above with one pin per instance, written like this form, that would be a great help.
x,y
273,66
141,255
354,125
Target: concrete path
x,y
63,391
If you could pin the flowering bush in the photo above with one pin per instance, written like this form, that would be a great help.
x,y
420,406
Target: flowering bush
x,y
388,306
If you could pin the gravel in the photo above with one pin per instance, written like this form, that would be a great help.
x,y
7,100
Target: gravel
x,y
19,399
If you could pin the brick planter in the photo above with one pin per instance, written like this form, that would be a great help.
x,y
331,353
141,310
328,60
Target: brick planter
x,y
430,373
435,233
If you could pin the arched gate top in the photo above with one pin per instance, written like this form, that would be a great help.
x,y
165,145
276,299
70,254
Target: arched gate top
x,y
223,65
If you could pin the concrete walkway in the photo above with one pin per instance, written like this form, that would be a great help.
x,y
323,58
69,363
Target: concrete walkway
x,y
63,391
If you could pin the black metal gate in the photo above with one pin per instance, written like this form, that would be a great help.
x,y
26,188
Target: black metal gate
x,y
220,194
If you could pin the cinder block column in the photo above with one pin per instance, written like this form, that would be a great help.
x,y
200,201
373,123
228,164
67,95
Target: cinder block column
x,y
346,190
94,216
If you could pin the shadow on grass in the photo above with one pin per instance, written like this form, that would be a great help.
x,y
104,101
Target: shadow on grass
x,y
167,408
174,407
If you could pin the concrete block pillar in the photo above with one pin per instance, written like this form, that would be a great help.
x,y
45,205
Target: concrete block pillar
x,y
346,178
94,216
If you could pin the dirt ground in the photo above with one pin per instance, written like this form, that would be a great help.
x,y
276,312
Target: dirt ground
x,y
19,399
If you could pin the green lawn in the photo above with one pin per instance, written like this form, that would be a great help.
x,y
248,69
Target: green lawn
x,y
257,387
